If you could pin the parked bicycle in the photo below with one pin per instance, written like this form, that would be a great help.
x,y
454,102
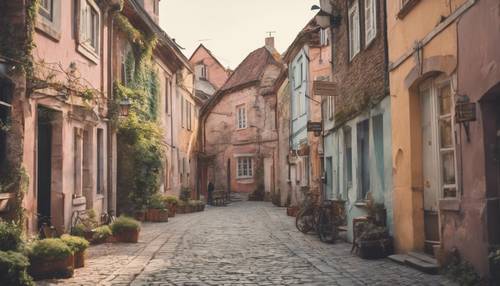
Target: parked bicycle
x,y
325,219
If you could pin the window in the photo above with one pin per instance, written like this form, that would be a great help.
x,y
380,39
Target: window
x,y
354,39
370,21
438,104
46,9
406,6
330,107
168,86
241,114
348,156
100,161
5,119
77,161
188,115
203,72
245,169
363,150
323,36
89,25
155,7
298,73
182,112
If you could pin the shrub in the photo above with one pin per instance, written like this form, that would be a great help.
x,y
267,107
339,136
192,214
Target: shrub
x,y
13,269
10,236
78,230
156,202
75,243
123,224
185,194
170,200
461,272
101,233
49,249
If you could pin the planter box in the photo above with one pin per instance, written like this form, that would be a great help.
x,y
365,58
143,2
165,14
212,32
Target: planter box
x,y
181,209
140,216
155,215
48,268
375,249
172,208
292,211
80,259
130,236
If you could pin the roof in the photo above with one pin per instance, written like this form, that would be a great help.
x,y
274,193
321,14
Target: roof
x,y
201,46
306,36
252,68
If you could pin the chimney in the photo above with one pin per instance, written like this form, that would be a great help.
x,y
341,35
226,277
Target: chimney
x,y
270,42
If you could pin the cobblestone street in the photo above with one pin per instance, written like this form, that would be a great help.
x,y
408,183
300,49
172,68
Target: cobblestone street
x,y
243,244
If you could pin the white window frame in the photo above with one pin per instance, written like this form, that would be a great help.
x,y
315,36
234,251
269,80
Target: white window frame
x,y
434,86
323,37
370,21
89,27
204,72
244,167
354,30
46,11
241,117
330,107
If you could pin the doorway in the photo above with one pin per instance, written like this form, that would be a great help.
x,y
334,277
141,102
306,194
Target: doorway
x,y
268,166
44,166
329,178
228,177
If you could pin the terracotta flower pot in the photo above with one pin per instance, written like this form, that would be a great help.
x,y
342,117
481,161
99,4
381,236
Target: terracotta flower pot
x,y
156,215
140,215
80,259
129,236
292,211
51,268
181,209
172,209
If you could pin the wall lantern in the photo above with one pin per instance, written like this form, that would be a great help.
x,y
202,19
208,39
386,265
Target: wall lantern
x,y
328,15
125,107
465,112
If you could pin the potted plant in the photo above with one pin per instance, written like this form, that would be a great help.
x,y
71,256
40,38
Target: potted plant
x,y
171,203
140,214
373,241
181,207
292,211
101,234
14,269
157,211
126,229
50,258
78,246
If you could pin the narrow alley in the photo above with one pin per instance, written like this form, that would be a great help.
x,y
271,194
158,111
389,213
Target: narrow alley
x,y
246,243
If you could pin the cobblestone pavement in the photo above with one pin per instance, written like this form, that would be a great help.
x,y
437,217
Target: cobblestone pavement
x,y
243,244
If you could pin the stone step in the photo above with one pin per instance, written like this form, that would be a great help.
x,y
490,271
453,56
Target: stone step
x,y
424,257
421,265
418,261
398,258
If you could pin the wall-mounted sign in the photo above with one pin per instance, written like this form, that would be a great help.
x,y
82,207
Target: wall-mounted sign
x,y
314,126
324,88
465,112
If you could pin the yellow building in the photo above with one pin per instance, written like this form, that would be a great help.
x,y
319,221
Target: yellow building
x,y
423,53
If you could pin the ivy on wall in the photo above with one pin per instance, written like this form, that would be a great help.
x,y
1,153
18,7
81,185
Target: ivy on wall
x,y
141,151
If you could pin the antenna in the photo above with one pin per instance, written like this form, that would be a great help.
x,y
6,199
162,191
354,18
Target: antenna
x,y
271,33
203,40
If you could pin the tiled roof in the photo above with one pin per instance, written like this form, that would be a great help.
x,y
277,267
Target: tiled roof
x,y
252,67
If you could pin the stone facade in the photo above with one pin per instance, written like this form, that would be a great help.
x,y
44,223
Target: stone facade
x,y
239,127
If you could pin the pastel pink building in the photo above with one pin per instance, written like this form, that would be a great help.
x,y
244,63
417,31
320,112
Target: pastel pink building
x,y
239,127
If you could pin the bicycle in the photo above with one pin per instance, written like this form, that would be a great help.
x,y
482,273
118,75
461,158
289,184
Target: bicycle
x,y
332,215
307,217
108,218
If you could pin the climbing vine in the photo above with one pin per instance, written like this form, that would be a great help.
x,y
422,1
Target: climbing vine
x,y
141,150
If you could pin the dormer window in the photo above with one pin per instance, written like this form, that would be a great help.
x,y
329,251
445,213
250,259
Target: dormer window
x,y
203,74
323,36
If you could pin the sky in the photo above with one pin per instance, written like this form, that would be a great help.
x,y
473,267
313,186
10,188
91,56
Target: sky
x,y
231,29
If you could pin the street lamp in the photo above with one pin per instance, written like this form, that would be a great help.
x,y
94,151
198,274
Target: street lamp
x,y
125,107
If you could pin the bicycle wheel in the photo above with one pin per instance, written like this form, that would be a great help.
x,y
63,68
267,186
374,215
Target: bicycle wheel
x,y
326,229
303,221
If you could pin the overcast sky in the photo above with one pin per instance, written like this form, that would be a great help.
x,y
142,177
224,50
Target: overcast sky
x,y
231,29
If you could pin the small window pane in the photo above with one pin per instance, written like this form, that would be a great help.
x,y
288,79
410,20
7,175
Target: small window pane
x,y
446,133
448,165
445,102
450,193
